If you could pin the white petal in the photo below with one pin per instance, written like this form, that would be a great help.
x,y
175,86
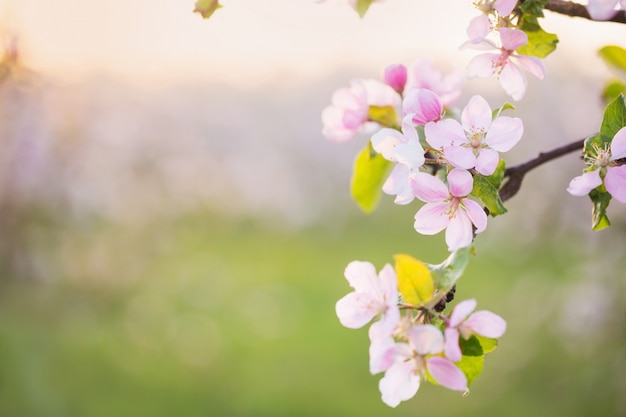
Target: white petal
x,y
400,383
459,232
361,276
426,339
513,80
385,141
482,66
487,324
504,133
476,115
618,145
355,310
615,182
476,214
583,184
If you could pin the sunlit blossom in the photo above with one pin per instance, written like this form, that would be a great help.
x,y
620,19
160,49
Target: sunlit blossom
x,y
448,209
447,87
476,141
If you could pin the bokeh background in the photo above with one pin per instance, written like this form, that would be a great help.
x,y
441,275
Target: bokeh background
x,y
174,228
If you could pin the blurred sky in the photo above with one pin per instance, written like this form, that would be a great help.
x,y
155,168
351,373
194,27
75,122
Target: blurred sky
x,y
249,41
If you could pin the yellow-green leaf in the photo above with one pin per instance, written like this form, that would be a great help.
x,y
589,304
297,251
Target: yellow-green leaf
x,y
206,7
415,282
368,176
614,56
385,115
362,6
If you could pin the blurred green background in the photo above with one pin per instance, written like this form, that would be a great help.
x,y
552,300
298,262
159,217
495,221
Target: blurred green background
x,y
178,249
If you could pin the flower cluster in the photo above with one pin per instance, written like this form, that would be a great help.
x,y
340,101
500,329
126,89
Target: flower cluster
x,y
417,346
495,30
426,137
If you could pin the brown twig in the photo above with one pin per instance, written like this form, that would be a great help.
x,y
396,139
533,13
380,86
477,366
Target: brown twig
x,y
514,175
572,9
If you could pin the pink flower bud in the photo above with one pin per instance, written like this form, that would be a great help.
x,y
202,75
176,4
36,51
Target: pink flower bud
x,y
395,76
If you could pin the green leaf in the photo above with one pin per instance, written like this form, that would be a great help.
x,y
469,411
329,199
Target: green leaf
x,y
488,344
496,178
614,118
613,89
540,42
533,7
415,283
369,172
600,199
362,6
447,273
506,106
385,115
206,7
488,194
614,56
473,359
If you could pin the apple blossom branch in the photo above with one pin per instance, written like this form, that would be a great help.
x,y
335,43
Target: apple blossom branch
x,y
578,10
514,175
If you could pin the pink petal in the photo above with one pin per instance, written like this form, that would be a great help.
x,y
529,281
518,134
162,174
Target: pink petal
x,y
355,310
505,7
512,38
601,9
426,339
583,184
429,188
334,129
482,66
452,348
446,373
487,324
424,103
432,218
461,311
460,157
476,214
615,182
618,145
531,64
444,133
478,28
459,232
513,80
361,276
398,184
487,161
400,383
460,182
381,348
476,115
385,141
504,133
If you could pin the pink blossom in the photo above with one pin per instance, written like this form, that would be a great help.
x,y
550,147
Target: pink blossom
x,y
405,149
395,76
448,209
348,113
604,9
476,141
373,296
481,25
483,323
411,362
381,348
506,63
424,104
604,165
424,74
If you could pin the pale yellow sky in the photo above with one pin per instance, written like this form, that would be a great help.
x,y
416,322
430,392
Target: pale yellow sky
x,y
250,41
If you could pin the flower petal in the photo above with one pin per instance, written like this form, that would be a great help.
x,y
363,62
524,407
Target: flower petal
x,y
385,141
601,9
512,38
460,182
461,311
476,214
426,339
424,103
478,28
513,80
446,373
429,188
431,218
444,133
476,115
487,161
460,157
381,348
459,232
615,182
531,64
504,133
410,154
398,184
400,383
452,348
355,310
618,145
505,7
487,324
361,276
482,66
583,184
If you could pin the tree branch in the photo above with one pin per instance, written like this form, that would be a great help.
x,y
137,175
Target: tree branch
x,y
572,9
515,175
